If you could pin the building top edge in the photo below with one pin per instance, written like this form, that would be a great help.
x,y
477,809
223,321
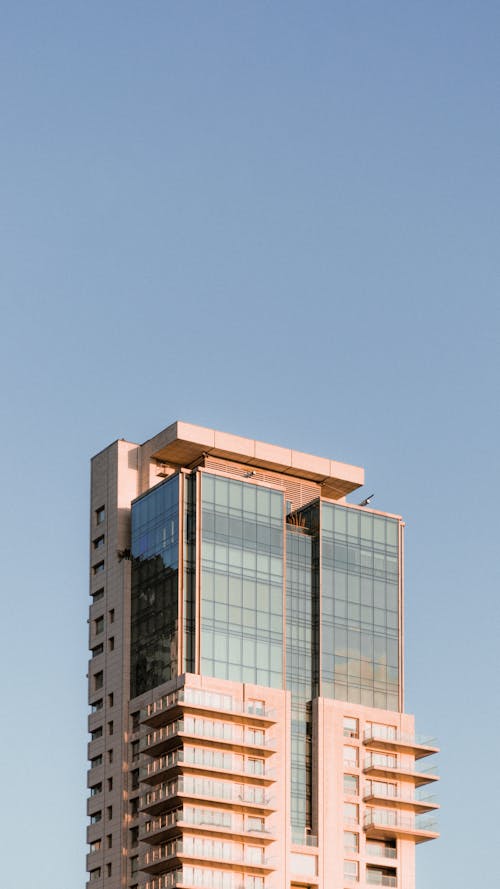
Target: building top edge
x,y
181,444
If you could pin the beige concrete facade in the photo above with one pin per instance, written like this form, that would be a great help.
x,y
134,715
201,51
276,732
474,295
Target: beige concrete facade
x,y
190,782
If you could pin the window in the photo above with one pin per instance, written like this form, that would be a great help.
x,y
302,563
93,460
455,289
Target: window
x,y
108,869
98,680
351,841
351,813
134,864
254,823
110,812
110,728
98,625
135,751
134,805
96,788
97,705
134,779
98,595
351,727
111,615
351,784
110,784
351,870
98,649
99,568
109,841
100,515
378,730
111,699
133,837
95,846
98,542
135,720
254,706
96,817
110,756
96,734
111,643
96,761
95,874
351,756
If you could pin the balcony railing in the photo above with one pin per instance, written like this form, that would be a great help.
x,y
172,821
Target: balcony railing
x,y
216,731
380,851
224,791
203,879
191,849
391,823
376,879
210,700
423,772
385,737
299,838
217,762
397,795
222,821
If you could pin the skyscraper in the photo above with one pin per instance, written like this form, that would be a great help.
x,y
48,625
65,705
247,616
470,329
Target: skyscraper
x,y
246,686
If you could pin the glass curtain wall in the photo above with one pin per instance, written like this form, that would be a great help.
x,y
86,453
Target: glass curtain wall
x,y
242,581
154,598
359,606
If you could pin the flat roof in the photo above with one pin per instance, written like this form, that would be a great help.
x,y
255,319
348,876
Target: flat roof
x,y
182,444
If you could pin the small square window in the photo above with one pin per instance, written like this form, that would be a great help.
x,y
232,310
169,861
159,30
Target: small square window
x,y
100,515
98,542
95,874
96,789
96,734
96,817
96,761
95,846
97,649
96,705
98,595
351,727
351,870
98,625
98,568
351,784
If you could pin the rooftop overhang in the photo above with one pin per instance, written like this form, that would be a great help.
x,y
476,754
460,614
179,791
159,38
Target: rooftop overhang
x,y
183,444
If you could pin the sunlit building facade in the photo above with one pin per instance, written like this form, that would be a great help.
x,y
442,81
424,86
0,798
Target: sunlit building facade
x,y
247,718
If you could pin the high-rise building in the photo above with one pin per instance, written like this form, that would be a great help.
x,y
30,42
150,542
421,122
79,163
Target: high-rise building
x,y
246,686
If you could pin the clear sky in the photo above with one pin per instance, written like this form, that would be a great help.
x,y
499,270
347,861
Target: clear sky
x,y
279,219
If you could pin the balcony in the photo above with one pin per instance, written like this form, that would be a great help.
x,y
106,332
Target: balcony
x,y
384,824
179,850
210,734
207,879
374,878
399,799
380,766
199,701
223,825
253,799
384,739
218,763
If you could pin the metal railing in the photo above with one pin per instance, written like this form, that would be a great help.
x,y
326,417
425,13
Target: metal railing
x,y
212,700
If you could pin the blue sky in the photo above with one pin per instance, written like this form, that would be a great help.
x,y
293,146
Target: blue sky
x,y
279,219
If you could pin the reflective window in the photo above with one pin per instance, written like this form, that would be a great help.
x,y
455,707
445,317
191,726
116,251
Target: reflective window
x,y
360,606
154,599
241,581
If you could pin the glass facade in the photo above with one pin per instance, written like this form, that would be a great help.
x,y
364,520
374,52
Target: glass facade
x,y
300,669
154,596
359,606
242,581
